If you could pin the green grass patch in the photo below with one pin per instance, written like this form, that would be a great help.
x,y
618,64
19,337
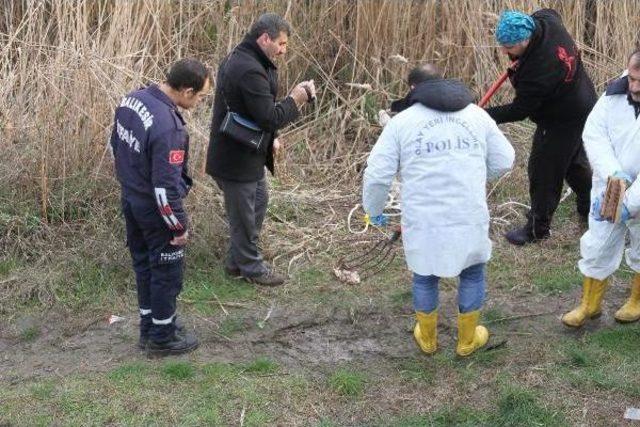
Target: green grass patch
x,y
174,370
8,265
501,272
576,356
395,275
401,298
257,418
605,360
21,221
29,334
458,417
493,357
202,416
205,290
89,284
80,405
262,365
415,370
43,390
230,326
566,210
622,340
347,382
325,422
557,279
218,371
518,406
493,314
313,276
129,371
280,210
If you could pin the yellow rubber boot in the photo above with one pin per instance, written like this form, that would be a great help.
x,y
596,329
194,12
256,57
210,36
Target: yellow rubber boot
x,y
592,293
630,311
471,336
426,331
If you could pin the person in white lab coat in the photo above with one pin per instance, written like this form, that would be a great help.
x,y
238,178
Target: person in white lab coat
x,y
444,148
611,139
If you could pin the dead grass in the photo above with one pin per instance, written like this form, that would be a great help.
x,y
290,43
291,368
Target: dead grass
x,y
64,65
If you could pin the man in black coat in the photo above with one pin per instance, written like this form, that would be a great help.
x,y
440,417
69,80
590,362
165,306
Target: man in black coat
x,y
552,89
247,85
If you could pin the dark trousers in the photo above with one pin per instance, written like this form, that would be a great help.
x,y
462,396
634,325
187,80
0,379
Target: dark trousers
x,y
158,266
557,154
246,205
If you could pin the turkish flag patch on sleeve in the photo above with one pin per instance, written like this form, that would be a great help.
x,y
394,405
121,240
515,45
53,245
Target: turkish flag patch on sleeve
x,y
176,157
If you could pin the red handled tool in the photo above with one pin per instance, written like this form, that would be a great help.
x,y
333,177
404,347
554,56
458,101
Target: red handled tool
x,y
496,85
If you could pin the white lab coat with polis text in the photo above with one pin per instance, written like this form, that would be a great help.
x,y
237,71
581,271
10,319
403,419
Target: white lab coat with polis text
x,y
444,160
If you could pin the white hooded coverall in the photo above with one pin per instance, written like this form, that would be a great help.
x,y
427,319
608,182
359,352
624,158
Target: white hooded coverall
x,y
443,159
612,142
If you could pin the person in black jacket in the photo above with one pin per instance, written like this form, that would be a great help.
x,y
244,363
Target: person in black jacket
x,y
552,89
247,85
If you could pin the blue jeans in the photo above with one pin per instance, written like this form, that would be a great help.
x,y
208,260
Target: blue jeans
x,y
470,290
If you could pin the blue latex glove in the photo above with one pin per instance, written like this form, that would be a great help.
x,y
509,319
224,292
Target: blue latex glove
x,y
596,205
625,215
623,175
380,220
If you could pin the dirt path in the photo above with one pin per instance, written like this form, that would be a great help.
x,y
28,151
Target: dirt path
x,y
294,339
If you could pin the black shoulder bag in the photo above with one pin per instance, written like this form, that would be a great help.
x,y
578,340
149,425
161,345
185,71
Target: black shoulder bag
x,y
241,129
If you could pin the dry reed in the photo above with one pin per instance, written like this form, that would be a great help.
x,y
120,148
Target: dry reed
x,y
65,63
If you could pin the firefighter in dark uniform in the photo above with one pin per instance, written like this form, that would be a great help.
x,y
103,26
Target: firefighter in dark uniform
x,y
151,149
552,89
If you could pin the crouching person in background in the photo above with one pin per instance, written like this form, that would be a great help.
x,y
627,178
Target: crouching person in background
x,y
444,148
151,149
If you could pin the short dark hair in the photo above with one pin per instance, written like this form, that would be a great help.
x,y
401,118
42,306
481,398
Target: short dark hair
x,y
634,59
422,73
269,23
188,73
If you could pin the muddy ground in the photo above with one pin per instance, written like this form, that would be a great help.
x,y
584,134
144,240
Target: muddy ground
x,y
296,339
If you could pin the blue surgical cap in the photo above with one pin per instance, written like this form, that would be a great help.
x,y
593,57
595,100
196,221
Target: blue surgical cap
x,y
514,27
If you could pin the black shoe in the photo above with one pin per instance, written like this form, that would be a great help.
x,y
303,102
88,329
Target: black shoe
x,y
269,278
178,344
523,235
233,272
144,339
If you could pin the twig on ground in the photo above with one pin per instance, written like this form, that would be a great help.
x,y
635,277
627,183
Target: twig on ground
x,y
264,321
521,316
292,260
244,408
227,304
213,323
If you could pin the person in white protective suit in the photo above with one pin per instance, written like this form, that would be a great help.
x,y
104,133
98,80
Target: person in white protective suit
x,y
612,141
443,147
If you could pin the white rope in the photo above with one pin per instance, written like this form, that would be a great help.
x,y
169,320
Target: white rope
x,y
366,224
